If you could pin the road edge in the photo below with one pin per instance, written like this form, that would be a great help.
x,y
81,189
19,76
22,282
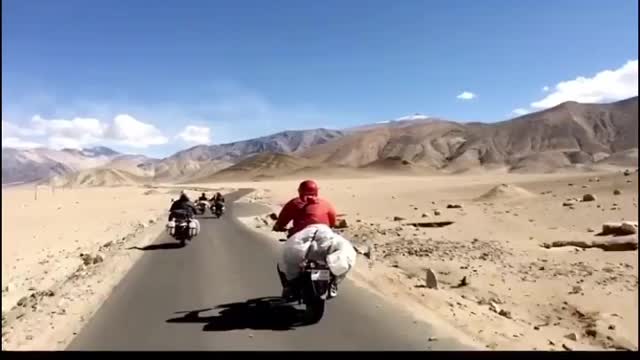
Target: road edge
x,y
363,277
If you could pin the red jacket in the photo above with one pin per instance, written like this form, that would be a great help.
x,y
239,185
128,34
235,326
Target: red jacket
x,y
303,214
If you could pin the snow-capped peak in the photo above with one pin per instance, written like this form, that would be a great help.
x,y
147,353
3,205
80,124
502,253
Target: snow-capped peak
x,y
98,151
416,116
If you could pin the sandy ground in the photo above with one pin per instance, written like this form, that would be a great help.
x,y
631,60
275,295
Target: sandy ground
x,y
50,288
519,295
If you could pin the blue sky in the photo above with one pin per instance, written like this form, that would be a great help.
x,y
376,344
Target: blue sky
x,y
243,68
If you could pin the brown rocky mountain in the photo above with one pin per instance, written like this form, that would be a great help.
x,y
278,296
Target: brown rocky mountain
x,y
569,135
19,166
27,165
202,161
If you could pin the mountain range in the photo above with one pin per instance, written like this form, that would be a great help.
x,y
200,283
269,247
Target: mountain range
x,y
570,135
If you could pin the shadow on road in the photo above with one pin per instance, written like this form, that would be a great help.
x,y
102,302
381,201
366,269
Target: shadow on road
x,y
266,313
163,246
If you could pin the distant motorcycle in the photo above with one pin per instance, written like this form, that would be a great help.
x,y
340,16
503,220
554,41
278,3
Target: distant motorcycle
x,y
218,209
201,207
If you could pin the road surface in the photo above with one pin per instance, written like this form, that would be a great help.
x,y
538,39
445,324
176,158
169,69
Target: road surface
x,y
220,292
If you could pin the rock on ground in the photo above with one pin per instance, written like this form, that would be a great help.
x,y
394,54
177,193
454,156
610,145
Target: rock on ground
x,y
431,279
572,336
620,228
628,228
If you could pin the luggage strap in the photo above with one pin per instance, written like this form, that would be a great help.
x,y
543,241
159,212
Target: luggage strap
x,y
306,255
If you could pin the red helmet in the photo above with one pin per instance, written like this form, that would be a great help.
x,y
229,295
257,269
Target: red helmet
x,y
308,188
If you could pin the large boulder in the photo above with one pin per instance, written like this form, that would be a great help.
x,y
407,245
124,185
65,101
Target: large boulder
x,y
620,228
629,227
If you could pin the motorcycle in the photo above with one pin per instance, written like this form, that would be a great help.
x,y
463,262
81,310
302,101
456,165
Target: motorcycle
x,y
311,288
201,207
218,210
181,227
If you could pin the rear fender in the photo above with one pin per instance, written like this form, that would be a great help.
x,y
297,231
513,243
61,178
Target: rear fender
x,y
320,288
182,231
317,288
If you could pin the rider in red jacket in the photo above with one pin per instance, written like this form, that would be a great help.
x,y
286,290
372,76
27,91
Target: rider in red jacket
x,y
306,209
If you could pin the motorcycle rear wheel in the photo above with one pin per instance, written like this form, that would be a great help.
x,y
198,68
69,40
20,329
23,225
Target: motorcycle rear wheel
x,y
314,310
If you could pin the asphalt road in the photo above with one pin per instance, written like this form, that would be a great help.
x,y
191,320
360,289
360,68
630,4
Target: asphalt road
x,y
220,292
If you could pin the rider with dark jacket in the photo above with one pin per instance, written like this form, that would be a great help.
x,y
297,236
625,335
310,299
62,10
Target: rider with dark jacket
x,y
203,197
217,201
217,197
183,203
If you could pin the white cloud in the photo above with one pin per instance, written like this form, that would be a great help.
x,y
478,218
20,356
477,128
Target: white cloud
x,y
62,142
466,95
11,130
605,86
131,132
17,143
225,108
520,111
196,135
75,128
545,88
74,133
80,132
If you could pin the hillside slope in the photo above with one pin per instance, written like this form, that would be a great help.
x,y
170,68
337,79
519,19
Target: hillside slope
x,y
201,161
566,135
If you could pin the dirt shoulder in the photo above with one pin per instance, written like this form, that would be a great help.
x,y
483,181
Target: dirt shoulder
x,y
63,253
496,282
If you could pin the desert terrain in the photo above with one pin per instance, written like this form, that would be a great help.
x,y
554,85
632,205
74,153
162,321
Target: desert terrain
x,y
482,162
516,294
496,281
509,222
64,251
